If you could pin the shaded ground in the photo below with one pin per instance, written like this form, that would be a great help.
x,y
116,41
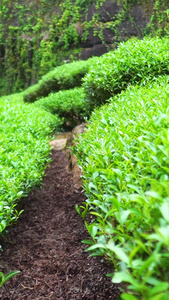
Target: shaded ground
x,y
45,245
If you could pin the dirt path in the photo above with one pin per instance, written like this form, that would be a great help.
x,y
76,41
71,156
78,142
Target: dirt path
x,y
45,245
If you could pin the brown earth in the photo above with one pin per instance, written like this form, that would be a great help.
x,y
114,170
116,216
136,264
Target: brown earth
x,y
45,245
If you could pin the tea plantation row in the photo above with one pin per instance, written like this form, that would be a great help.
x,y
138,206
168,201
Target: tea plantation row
x,y
124,155
24,138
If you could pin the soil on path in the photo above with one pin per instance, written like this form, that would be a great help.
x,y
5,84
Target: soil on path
x,y
45,245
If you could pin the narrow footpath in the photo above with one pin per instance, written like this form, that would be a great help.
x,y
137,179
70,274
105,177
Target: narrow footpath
x,y
45,245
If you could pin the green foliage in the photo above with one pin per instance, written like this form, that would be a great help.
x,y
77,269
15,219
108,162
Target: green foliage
x,y
124,156
6,277
159,22
69,105
64,77
35,37
32,45
24,136
133,62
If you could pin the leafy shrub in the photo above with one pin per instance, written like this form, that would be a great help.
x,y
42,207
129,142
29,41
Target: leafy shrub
x,y
69,105
24,136
124,156
133,62
64,77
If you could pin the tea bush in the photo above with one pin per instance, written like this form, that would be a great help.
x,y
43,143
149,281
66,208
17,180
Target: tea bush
x,y
69,105
124,156
63,77
24,152
133,62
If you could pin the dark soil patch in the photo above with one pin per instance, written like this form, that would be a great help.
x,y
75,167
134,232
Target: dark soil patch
x,y
45,245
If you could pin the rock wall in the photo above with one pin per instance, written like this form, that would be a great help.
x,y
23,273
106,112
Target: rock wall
x,y
134,23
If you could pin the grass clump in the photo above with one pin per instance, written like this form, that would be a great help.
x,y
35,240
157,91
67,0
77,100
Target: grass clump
x,y
133,62
70,106
63,77
24,138
124,156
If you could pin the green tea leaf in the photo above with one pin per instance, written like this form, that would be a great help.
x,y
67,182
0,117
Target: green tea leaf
x,y
128,297
121,276
10,274
161,287
118,251
165,210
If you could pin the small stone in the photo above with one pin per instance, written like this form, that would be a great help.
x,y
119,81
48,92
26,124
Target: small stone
x,y
58,144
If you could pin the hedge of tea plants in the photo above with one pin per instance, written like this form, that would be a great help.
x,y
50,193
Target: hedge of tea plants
x,y
70,105
64,77
24,152
133,62
124,156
